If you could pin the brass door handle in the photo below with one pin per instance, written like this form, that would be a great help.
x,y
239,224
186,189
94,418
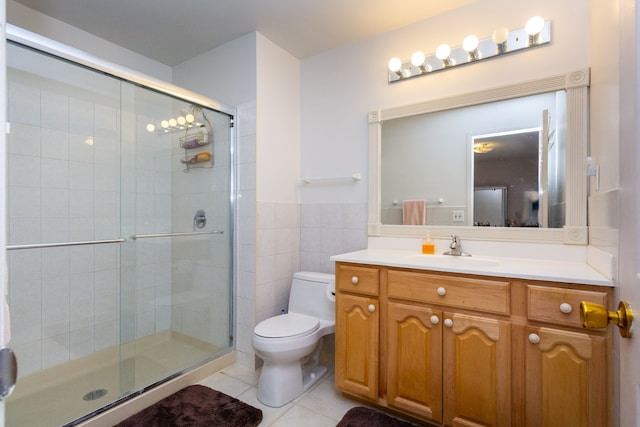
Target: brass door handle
x,y
596,316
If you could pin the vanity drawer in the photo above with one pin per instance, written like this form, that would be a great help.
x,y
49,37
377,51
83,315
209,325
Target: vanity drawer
x,y
362,280
473,294
559,305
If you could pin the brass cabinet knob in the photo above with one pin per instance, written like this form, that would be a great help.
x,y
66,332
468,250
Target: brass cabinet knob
x,y
596,316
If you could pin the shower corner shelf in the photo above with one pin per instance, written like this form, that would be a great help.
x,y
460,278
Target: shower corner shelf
x,y
195,154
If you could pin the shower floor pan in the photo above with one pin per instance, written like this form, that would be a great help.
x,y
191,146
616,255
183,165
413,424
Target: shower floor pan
x,y
67,392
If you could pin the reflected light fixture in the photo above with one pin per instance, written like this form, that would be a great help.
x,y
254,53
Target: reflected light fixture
x,y
483,147
182,122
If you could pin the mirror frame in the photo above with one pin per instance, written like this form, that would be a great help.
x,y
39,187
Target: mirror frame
x,y
575,230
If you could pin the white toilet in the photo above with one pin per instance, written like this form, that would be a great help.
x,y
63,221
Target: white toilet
x,y
290,344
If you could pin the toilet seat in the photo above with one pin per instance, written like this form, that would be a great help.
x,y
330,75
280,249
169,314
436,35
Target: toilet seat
x,y
290,325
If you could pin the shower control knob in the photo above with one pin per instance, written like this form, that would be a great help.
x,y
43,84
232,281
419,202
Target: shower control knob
x,y
566,308
441,291
371,308
355,280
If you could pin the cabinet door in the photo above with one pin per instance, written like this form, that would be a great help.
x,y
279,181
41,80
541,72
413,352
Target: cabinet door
x,y
414,360
477,371
566,379
357,320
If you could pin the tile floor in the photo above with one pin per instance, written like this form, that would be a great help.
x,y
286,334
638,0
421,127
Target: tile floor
x,y
320,406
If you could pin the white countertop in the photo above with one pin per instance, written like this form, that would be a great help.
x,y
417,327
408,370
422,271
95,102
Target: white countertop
x,y
519,268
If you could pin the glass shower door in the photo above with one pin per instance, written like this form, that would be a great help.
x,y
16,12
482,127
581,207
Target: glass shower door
x,y
120,237
176,276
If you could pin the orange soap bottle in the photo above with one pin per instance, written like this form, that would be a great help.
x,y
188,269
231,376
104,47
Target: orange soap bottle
x,y
428,247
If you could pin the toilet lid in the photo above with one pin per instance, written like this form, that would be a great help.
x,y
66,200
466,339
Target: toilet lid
x,y
287,325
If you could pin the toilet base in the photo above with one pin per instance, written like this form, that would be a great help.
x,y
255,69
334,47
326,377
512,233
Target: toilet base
x,y
280,384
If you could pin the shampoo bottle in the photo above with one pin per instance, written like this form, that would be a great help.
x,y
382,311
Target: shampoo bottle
x,y
428,247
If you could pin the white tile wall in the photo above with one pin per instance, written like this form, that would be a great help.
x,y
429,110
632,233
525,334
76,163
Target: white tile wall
x,y
245,296
330,229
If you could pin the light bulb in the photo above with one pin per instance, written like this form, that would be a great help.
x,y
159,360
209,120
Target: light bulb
x,y
500,35
443,51
190,117
470,43
395,64
164,124
173,122
181,120
151,127
417,59
534,25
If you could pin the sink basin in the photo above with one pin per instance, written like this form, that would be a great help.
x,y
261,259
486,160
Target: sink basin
x,y
452,261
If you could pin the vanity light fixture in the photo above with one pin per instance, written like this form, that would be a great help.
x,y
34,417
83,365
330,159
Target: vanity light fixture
x,y
442,53
470,44
500,37
533,28
536,33
417,60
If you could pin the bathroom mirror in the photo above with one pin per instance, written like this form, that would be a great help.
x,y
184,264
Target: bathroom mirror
x,y
425,152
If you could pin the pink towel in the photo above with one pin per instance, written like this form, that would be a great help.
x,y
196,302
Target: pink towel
x,y
414,212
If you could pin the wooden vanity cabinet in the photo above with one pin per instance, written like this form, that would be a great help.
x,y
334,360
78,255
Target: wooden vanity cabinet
x,y
477,371
467,382
357,330
414,360
469,351
567,368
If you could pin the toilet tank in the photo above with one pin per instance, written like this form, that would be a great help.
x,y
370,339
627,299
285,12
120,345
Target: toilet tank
x,y
313,294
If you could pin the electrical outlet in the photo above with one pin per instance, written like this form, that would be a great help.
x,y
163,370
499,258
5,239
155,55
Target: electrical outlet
x,y
458,216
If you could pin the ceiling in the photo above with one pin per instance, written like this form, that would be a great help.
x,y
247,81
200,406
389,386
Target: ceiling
x,y
172,31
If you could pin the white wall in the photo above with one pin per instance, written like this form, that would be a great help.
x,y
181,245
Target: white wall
x,y
604,121
278,126
264,81
226,74
36,22
341,85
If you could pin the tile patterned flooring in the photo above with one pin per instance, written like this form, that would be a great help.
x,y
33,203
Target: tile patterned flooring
x,y
320,406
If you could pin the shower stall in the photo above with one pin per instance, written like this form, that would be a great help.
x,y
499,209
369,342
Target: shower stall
x,y
120,233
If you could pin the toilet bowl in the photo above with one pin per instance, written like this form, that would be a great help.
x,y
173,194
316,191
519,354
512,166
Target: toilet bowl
x,y
290,344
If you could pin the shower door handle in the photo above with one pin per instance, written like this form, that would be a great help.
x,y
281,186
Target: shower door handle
x,y
8,372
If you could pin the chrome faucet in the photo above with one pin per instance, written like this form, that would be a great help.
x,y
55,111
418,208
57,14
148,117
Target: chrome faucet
x,y
456,247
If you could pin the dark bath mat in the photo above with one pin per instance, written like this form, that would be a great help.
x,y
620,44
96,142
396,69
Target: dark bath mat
x,y
365,417
196,406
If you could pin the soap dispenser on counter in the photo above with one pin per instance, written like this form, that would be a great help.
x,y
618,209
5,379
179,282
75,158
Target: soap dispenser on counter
x,y
428,246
